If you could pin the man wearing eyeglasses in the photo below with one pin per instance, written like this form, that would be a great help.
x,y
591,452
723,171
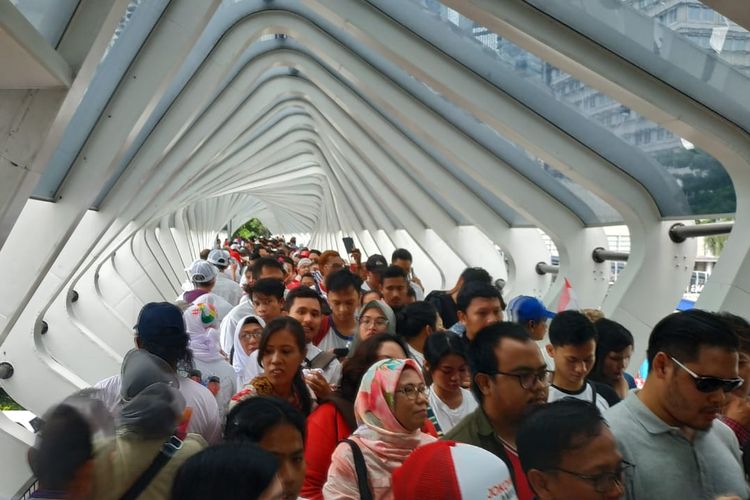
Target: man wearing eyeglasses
x,y
567,451
669,428
509,376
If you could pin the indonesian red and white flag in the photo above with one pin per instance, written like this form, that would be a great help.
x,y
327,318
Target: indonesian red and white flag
x,y
568,298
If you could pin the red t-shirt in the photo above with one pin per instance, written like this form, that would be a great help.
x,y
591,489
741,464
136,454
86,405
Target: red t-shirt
x,y
523,490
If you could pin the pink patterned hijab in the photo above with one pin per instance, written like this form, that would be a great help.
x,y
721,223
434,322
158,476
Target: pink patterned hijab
x,y
379,430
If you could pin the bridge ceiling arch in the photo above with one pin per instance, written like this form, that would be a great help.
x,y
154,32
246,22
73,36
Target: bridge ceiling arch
x,y
372,119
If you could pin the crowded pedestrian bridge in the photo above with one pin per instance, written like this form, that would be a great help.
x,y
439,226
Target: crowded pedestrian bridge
x,y
508,135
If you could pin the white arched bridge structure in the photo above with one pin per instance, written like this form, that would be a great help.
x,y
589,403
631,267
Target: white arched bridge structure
x,y
471,132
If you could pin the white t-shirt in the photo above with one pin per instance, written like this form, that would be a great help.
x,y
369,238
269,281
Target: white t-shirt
x,y
225,372
227,289
334,340
586,393
229,323
448,417
332,372
416,356
223,308
205,421
418,292
227,273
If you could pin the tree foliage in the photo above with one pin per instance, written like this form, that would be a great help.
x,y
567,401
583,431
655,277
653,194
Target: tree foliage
x,y
7,403
715,244
706,184
252,229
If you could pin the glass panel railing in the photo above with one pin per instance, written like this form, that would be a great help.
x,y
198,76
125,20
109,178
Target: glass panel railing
x,y
702,26
706,186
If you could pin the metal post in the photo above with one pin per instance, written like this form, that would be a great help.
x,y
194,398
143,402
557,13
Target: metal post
x,y
601,255
543,268
680,232
6,370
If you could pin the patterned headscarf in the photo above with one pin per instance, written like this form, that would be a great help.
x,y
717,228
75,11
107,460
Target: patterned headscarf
x,y
378,428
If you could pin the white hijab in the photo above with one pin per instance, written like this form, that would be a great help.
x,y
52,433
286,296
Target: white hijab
x,y
201,322
241,360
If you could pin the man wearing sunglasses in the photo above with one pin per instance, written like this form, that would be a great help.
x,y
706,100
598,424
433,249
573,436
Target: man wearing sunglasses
x,y
669,428
509,377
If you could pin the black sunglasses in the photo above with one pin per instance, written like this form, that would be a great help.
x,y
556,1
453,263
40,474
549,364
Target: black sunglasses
x,y
710,384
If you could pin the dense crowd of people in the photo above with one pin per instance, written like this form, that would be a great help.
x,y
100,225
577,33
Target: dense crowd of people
x,y
284,372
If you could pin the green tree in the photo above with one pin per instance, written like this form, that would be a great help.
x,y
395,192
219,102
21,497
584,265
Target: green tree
x,y
7,403
704,181
252,229
715,244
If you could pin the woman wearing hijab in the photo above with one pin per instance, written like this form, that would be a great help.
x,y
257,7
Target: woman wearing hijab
x,y
390,408
201,324
246,341
334,419
374,317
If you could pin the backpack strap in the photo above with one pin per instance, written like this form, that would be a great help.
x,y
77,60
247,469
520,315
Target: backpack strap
x,y
322,360
168,450
324,326
344,407
433,418
361,469
593,390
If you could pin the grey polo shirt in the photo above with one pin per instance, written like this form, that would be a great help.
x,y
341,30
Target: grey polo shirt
x,y
667,465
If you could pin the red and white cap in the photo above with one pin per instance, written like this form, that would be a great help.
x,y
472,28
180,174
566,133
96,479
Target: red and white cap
x,y
448,470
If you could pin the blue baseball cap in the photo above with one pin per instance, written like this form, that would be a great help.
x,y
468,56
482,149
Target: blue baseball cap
x,y
161,322
523,309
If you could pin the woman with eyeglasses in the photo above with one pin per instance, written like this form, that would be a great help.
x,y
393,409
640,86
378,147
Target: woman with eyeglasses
x,y
446,362
390,408
322,437
373,318
246,340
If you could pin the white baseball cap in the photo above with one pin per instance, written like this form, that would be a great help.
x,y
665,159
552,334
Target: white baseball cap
x,y
218,257
201,271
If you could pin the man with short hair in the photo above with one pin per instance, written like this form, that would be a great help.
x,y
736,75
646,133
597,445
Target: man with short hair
x,y
479,305
214,385
445,301
374,268
343,288
567,451
225,287
509,376
314,256
530,313
395,288
669,429
572,347
305,305
160,330
267,297
307,280
402,258
263,267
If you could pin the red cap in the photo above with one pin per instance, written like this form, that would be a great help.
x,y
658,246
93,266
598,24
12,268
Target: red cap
x,y
448,470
